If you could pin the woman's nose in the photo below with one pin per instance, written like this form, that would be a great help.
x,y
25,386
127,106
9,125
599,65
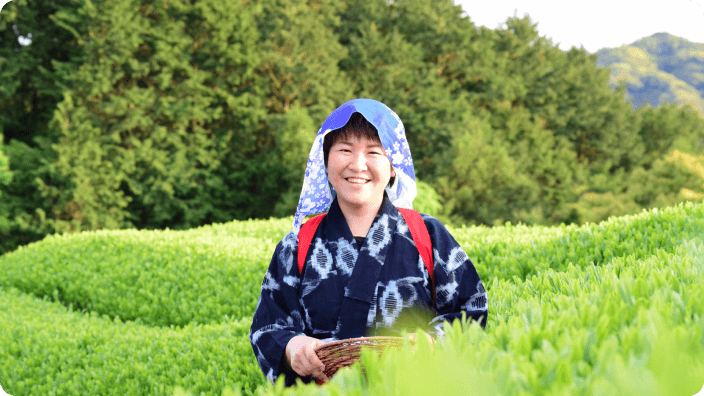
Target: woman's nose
x,y
358,162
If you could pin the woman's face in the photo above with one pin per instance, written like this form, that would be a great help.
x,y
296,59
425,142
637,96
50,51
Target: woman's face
x,y
359,170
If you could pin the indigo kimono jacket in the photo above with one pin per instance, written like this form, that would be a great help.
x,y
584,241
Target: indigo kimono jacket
x,y
350,289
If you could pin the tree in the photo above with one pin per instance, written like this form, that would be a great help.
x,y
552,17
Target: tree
x,y
694,165
668,127
34,73
402,54
167,91
508,86
669,180
300,56
427,201
484,184
294,140
5,179
302,85
28,212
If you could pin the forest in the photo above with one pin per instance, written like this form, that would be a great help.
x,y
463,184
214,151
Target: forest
x,y
174,114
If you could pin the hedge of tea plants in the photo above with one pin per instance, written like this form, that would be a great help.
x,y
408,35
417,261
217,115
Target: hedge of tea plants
x,y
49,350
159,278
610,308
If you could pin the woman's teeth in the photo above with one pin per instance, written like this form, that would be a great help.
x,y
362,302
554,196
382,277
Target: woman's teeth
x,y
356,181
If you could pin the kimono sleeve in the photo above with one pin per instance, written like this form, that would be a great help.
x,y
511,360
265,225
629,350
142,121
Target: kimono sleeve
x,y
277,317
457,284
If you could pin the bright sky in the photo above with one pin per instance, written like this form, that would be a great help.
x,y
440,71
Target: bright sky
x,y
595,24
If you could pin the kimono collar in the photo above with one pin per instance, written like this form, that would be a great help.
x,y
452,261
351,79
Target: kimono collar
x,y
317,194
337,218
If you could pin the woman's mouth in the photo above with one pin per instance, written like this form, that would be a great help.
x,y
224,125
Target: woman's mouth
x,y
355,180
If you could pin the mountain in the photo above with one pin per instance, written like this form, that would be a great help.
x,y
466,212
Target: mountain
x,y
657,69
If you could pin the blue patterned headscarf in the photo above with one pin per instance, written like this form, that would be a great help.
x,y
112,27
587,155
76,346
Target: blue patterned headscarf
x,y
317,196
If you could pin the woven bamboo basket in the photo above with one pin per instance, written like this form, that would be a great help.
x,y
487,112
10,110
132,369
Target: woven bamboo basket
x,y
338,354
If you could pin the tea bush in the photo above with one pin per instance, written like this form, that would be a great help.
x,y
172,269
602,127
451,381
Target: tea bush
x,y
601,309
49,350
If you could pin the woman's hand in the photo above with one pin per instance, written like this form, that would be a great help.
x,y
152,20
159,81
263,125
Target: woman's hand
x,y
300,352
413,338
431,340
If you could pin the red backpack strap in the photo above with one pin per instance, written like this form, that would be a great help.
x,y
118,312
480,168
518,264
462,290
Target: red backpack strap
x,y
305,237
420,235
419,232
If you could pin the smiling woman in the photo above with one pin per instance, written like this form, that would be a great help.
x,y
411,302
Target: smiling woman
x,y
363,273
358,170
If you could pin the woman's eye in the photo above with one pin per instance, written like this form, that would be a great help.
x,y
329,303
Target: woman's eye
x,y
348,151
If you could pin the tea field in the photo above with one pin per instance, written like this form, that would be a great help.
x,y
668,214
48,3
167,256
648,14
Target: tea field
x,y
615,308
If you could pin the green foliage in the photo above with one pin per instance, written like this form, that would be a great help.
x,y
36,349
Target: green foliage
x,y
165,278
511,252
667,128
300,55
484,180
294,139
175,115
630,327
657,187
24,206
48,349
201,275
427,201
5,174
165,93
5,179
653,180
35,76
610,308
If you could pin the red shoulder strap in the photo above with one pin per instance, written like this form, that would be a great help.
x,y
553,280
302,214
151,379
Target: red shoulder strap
x,y
420,235
305,237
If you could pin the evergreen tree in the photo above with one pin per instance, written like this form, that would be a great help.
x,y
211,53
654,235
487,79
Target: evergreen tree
x,y
541,170
483,184
34,73
166,92
300,55
668,127
5,174
5,179
399,53
303,84
568,94
29,213
182,113
693,164
296,131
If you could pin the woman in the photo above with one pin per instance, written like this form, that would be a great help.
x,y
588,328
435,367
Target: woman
x,y
362,270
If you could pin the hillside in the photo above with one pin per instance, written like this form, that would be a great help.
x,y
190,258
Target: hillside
x,y
659,69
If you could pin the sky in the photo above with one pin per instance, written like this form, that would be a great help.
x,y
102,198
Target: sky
x,y
595,24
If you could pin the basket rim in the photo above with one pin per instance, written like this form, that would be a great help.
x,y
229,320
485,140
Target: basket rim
x,y
357,340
